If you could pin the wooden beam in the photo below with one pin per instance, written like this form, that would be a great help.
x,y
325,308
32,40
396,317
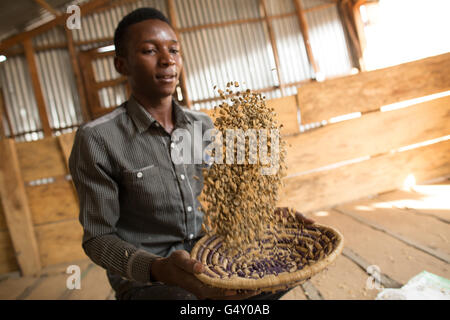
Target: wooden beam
x,y
37,88
273,43
183,80
61,19
304,29
16,210
47,7
2,108
77,73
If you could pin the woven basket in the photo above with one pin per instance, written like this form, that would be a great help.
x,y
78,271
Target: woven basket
x,y
269,272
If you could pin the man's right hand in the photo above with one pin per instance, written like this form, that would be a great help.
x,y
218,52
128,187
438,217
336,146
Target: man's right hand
x,y
178,269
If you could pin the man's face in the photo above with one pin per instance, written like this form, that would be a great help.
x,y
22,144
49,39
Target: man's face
x,y
153,60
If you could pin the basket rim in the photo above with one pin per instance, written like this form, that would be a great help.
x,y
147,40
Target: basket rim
x,y
272,281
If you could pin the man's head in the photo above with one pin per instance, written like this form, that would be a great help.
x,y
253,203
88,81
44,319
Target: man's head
x,y
148,52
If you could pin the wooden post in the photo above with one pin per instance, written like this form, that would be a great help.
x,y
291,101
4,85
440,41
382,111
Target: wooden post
x,y
47,7
273,43
174,22
350,33
77,73
305,34
29,54
5,113
2,108
16,210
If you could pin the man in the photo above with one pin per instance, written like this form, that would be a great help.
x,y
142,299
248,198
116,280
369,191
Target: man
x,y
138,208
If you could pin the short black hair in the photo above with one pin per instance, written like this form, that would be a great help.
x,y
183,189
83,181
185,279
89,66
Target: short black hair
x,y
133,17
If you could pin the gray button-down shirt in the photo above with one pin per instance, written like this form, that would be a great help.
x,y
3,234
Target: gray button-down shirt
x,y
136,203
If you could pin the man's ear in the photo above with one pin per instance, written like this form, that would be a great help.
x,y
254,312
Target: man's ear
x,y
121,65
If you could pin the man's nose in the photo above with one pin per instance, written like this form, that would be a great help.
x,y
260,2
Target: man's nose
x,y
166,58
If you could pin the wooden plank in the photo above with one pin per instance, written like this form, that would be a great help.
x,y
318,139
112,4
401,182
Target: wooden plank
x,y
37,87
4,112
8,261
66,143
311,292
3,226
369,91
296,293
286,109
11,289
330,187
403,224
343,280
413,243
49,288
41,159
394,258
52,202
2,108
16,210
416,203
95,286
384,279
361,137
60,242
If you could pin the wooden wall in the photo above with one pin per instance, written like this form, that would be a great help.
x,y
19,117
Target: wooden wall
x,y
39,218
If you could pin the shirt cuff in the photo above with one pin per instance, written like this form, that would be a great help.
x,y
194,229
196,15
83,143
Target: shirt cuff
x,y
139,266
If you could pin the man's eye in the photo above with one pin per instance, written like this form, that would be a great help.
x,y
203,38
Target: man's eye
x,y
175,50
149,51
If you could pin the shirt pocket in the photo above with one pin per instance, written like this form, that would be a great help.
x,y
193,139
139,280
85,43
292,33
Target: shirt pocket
x,y
146,180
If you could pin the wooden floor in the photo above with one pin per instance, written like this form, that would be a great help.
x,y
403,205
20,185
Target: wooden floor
x,y
399,233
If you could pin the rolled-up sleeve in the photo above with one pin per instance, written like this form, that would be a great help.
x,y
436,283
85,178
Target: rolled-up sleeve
x,y
98,194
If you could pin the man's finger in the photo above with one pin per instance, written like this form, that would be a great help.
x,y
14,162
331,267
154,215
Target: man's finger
x,y
183,260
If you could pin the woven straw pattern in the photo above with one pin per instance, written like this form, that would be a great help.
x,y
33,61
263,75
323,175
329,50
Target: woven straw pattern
x,y
282,259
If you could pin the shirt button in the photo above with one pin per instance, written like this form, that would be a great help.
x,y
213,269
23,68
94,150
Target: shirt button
x,y
172,145
189,209
182,176
139,175
191,236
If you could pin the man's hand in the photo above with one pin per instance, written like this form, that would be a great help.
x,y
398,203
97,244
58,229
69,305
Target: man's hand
x,y
178,269
300,217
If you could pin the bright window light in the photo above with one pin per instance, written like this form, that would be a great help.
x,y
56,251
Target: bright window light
x,y
106,49
404,30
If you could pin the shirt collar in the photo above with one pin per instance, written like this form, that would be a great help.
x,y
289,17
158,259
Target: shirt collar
x,y
143,119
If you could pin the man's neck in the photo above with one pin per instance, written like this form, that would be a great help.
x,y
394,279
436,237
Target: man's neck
x,y
160,110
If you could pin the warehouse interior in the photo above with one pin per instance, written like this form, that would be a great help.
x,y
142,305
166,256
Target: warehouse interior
x,y
361,88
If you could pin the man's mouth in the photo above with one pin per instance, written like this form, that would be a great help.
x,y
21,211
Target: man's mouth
x,y
166,77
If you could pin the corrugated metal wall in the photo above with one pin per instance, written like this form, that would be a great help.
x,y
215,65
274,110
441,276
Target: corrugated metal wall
x,y
240,52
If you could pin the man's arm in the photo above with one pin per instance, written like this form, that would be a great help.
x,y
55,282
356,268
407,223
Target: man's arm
x,y
98,195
